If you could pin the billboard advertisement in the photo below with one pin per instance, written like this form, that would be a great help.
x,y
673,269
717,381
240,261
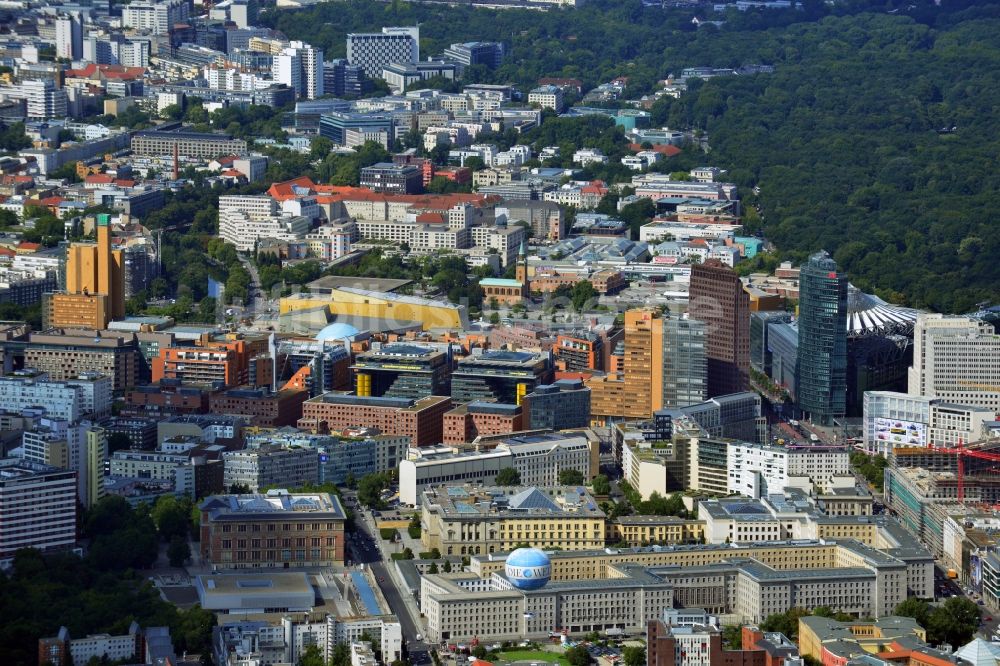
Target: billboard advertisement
x,y
900,433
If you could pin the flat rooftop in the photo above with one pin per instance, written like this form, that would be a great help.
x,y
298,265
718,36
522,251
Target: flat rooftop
x,y
328,283
273,504
476,503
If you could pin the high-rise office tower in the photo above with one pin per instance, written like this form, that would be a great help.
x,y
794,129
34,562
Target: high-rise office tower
x,y
685,363
717,298
821,369
372,51
69,38
636,391
95,285
663,366
956,359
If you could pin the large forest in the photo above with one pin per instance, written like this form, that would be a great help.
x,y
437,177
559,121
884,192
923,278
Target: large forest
x,y
875,138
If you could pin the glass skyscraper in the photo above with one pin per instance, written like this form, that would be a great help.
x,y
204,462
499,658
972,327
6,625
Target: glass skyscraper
x,y
821,372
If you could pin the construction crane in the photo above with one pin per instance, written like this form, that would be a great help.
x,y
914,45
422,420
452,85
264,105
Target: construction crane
x,y
961,453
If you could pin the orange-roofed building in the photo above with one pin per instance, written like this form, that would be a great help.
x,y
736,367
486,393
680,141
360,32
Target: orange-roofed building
x,y
664,149
291,189
430,218
95,72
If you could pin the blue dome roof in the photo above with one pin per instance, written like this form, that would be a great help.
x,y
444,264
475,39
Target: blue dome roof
x,y
528,557
336,331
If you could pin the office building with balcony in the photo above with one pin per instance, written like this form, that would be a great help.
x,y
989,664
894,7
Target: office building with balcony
x,y
268,466
403,370
500,376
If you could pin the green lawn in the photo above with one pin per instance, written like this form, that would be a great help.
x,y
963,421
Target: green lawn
x,y
533,655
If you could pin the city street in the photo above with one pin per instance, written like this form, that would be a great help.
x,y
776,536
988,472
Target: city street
x,y
364,549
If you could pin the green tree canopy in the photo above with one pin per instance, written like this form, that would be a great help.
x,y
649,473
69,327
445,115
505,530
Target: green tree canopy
x,y
508,476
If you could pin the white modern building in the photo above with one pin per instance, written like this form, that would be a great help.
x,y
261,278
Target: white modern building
x,y
158,18
755,470
300,67
538,460
44,100
585,156
893,420
37,507
956,359
547,97
89,394
69,37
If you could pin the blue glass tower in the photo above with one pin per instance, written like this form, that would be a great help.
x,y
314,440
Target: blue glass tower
x,y
821,371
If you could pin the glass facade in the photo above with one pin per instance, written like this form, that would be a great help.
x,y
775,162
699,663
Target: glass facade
x,y
821,373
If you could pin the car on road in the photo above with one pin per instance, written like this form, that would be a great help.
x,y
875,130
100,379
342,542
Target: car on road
x,y
381,579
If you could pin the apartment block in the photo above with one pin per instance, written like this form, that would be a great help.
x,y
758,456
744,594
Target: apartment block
x,y
37,507
63,354
373,51
269,466
187,144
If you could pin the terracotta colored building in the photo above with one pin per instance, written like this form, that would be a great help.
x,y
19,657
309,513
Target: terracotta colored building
x,y
167,397
466,422
232,362
266,408
420,420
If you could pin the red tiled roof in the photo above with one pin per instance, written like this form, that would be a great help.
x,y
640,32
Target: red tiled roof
x,y
664,149
286,190
98,179
431,218
106,71
6,252
25,245
595,187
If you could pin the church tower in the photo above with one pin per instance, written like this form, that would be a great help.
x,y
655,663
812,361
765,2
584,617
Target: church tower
x,y
521,269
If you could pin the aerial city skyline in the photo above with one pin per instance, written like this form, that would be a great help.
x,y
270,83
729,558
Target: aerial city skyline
x,y
649,333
